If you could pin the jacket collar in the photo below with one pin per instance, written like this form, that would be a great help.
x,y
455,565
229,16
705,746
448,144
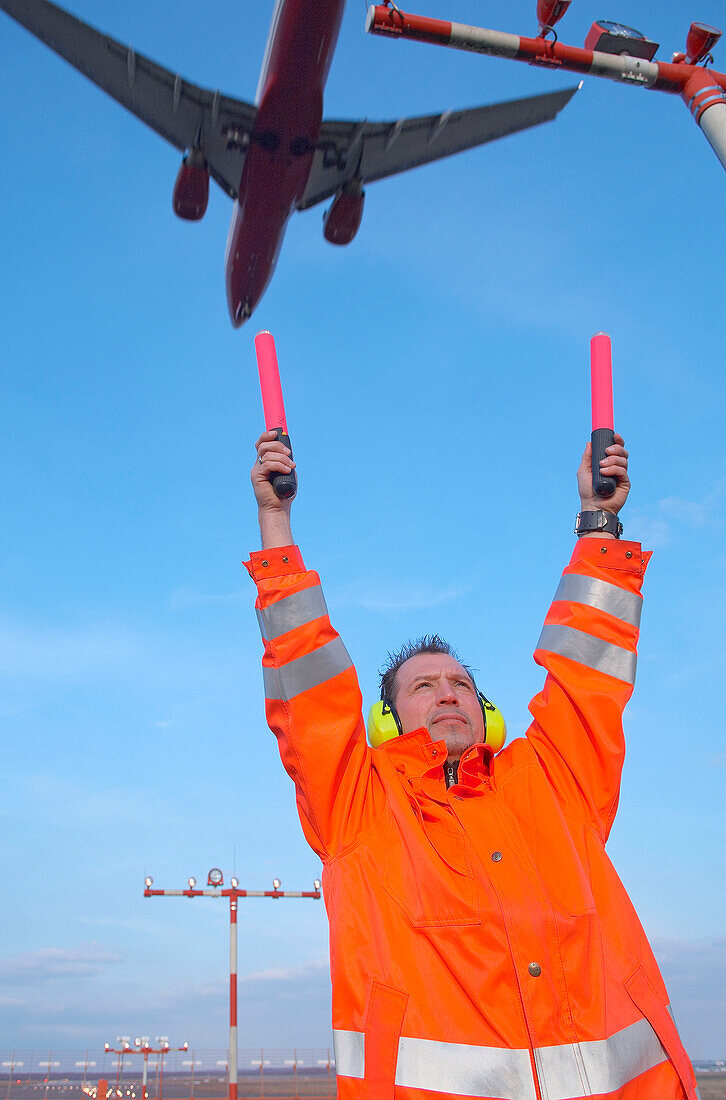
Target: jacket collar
x,y
417,753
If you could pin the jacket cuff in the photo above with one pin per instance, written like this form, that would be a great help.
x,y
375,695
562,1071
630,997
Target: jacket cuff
x,y
278,561
612,554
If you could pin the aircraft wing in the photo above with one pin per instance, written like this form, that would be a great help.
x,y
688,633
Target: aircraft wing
x,y
371,150
181,112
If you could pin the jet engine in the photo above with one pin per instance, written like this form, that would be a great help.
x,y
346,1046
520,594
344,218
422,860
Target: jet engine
x,y
342,218
191,189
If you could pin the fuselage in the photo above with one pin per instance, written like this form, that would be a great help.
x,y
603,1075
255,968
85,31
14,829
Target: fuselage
x,y
300,47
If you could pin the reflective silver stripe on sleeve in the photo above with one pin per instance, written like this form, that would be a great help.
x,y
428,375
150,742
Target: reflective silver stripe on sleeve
x,y
588,650
600,1066
306,672
295,610
349,1053
576,588
464,1070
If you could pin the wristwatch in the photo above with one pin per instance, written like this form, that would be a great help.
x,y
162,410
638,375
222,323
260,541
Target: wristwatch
x,y
598,521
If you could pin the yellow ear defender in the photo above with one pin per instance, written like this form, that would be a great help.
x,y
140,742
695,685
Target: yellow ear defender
x,y
383,723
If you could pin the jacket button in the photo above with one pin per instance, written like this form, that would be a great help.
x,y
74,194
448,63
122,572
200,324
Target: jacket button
x,y
496,856
286,559
535,969
434,752
603,550
265,564
628,553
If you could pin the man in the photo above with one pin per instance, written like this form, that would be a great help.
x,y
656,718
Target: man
x,y
481,943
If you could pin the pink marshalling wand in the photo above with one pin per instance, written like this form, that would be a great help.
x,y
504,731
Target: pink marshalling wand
x,y
285,485
603,435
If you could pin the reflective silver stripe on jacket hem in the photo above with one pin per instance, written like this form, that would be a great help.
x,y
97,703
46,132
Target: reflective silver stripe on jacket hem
x,y
600,1066
306,672
464,1070
588,650
349,1049
291,611
596,593
566,1072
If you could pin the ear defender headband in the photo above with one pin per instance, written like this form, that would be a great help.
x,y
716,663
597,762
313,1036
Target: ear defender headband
x,y
384,723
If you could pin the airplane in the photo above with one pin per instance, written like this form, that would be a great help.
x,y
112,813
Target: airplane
x,y
612,50
276,155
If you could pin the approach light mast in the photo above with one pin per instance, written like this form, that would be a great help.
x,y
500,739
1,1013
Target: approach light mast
x,y
611,50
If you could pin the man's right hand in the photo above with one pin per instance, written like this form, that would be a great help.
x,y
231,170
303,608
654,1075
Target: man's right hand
x,y
274,513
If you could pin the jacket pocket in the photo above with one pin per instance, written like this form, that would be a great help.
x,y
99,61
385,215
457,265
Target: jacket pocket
x,y
646,999
384,1020
428,871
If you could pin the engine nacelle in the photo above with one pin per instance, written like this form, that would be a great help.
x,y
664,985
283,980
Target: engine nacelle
x,y
191,189
342,218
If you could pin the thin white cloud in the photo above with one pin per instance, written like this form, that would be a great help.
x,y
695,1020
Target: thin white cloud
x,y
51,963
394,597
695,974
314,968
659,523
51,652
187,597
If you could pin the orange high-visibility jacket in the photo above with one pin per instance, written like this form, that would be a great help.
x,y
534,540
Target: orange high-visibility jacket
x,y
481,943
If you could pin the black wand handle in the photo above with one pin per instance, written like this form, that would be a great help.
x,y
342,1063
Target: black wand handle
x,y
285,485
601,438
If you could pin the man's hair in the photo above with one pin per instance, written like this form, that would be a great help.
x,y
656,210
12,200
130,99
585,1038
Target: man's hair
x,y
427,643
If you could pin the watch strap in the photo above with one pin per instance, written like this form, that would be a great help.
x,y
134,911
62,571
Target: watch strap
x,y
598,521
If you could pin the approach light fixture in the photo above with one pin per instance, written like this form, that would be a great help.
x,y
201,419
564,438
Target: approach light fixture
x,y
608,37
550,12
234,882
192,882
316,884
276,884
148,881
137,1041
215,877
700,41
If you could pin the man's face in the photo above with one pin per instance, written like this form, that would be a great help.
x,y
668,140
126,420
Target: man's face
x,y
433,690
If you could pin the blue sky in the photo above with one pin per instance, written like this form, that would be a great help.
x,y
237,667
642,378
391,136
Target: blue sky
x,y
436,376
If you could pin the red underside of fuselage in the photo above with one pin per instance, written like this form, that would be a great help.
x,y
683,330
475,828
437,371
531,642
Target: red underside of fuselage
x,y
281,148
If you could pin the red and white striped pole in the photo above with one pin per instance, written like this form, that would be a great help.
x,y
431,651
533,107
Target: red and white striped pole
x,y
233,998
215,880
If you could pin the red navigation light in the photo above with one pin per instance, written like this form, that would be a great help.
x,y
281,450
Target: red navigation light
x,y
550,12
701,40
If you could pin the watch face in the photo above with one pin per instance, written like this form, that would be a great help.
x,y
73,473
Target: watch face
x,y
619,29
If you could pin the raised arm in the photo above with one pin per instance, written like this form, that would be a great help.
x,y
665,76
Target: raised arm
x,y
312,698
588,647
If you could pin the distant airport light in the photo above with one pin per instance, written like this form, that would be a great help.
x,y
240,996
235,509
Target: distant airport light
x,y
234,882
215,877
276,884
148,881
192,882
316,884
700,41
550,12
